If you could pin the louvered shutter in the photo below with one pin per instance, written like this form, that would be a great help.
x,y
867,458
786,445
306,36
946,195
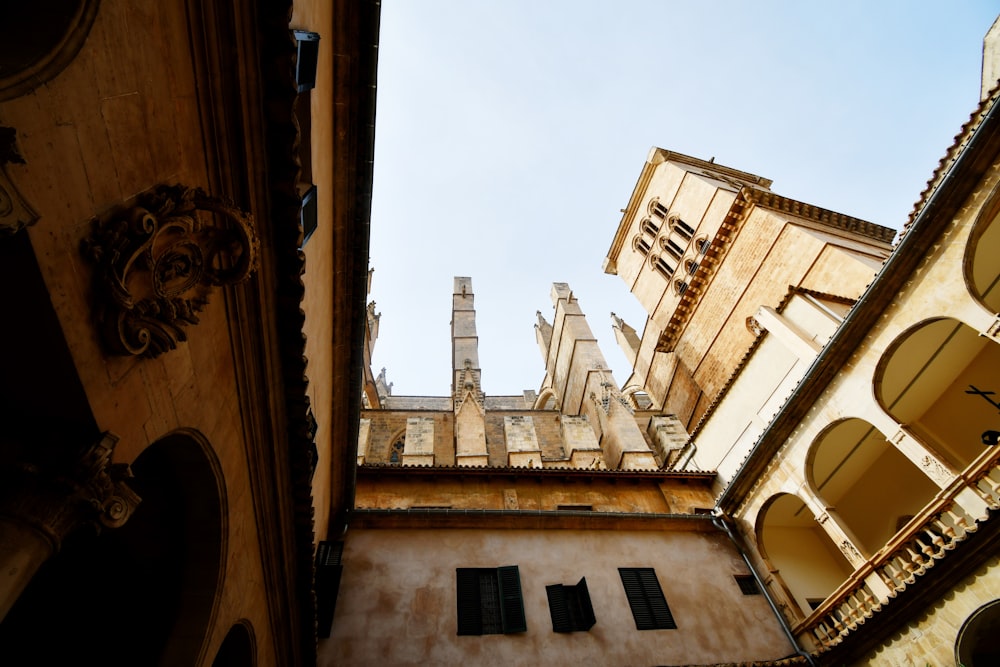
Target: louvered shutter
x,y
586,608
559,608
636,599
662,618
470,615
511,604
328,573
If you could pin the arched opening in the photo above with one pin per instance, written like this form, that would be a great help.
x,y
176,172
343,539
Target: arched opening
x,y
847,467
978,643
806,560
39,39
143,594
939,379
982,268
239,649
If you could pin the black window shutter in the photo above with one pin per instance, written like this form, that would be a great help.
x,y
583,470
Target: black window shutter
x,y
645,598
511,604
586,608
559,608
662,618
328,573
470,614
636,599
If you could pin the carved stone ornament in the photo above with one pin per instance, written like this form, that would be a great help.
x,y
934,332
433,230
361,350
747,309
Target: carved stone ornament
x,y
158,261
15,212
55,500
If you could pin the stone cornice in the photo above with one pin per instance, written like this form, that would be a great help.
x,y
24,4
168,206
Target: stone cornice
x,y
529,519
776,202
586,474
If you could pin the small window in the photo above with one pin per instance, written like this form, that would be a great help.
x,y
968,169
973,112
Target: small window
x,y
307,55
396,453
703,244
649,227
570,607
682,228
691,266
663,267
656,208
645,597
672,248
309,216
748,585
641,244
489,601
680,287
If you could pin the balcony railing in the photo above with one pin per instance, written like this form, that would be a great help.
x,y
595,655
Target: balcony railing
x,y
908,556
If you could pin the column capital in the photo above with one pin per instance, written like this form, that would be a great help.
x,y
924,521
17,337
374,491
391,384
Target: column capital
x,y
57,499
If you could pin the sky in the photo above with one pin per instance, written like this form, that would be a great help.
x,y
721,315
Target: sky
x,y
510,134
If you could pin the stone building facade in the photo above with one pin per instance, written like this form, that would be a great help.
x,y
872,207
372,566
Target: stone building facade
x,y
167,458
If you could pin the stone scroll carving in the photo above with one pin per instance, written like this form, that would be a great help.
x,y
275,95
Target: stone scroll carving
x,y
15,212
159,260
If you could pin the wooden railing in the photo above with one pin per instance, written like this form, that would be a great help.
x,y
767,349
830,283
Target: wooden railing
x,y
909,555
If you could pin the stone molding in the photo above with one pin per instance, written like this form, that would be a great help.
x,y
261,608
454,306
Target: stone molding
x,y
158,260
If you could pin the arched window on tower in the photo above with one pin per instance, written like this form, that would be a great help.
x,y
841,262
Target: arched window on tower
x,y
396,452
663,267
684,230
672,248
656,208
680,287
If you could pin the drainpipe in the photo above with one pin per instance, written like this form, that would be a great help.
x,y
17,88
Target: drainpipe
x,y
719,520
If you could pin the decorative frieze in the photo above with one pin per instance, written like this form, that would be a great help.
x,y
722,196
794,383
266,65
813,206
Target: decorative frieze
x,y
158,261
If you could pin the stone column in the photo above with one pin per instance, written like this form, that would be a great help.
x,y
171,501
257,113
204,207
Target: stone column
x,y
41,505
844,539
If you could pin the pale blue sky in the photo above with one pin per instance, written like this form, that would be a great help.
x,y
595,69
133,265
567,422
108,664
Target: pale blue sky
x,y
510,133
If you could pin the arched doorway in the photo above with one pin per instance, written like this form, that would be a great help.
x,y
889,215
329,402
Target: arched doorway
x,y
143,594
809,564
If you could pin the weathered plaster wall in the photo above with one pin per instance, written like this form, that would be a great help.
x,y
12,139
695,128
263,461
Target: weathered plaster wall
x,y
397,602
